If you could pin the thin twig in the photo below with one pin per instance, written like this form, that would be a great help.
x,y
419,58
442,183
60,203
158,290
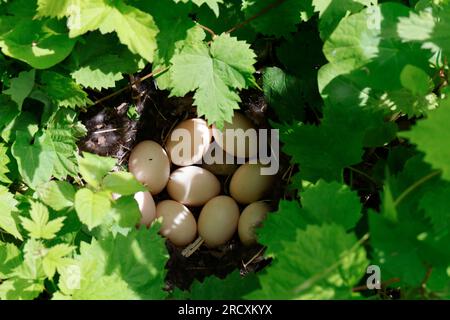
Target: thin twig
x,y
151,74
210,31
246,264
260,13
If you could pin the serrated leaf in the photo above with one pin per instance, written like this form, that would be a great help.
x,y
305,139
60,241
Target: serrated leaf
x,y
232,287
92,207
214,74
125,212
4,161
21,87
53,8
323,262
291,11
40,43
10,257
102,271
135,28
35,161
431,136
56,259
94,168
63,91
9,213
39,226
20,289
123,183
58,195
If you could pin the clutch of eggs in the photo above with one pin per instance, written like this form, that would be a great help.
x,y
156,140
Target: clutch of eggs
x,y
194,186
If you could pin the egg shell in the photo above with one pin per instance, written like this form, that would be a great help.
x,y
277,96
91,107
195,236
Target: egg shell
x,y
178,224
218,161
146,206
218,221
150,165
188,142
248,185
193,186
251,217
242,147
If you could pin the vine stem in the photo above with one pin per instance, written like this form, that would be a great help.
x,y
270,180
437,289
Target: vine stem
x,y
257,15
209,30
415,185
115,93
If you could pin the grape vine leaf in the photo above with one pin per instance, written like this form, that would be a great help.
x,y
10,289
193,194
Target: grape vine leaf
x,y
40,226
40,43
432,135
35,161
20,289
270,23
102,65
63,91
92,208
10,257
4,161
58,195
213,73
56,259
429,27
94,168
322,262
324,151
322,203
213,4
21,87
9,213
232,287
134,28
102,271
123,183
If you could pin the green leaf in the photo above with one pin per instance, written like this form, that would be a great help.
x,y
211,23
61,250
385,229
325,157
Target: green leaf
x,y
20,289
10,257
21,87
125,212
39,226
135,28
9,213
104,272
123,183
214,73
102,65
233,287
213,4
324,151
35,161
53,8
94,168
40,43
429,26
431,136
323,262
56,259
58,195
4,161
416,80
270,23
92,207
63,91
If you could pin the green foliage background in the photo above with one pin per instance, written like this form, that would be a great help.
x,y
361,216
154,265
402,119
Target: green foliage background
x,y
363,68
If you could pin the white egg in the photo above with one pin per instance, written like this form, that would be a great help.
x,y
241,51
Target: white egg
x,y
146,206
218,221
178,223
251,218
249,185
238,138
188,142
150,165
193,186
